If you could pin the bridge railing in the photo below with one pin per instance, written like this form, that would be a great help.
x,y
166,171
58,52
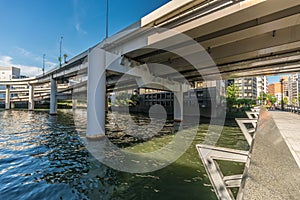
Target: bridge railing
x,y
211,154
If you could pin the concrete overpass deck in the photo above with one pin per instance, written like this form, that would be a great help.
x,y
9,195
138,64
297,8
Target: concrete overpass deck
x,y
273,172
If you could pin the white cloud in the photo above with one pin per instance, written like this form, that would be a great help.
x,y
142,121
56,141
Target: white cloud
x,y
5,60
79,29
78,13
31,70
25,70
24,52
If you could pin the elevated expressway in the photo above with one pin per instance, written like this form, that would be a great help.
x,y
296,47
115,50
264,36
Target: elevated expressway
x,y
197,39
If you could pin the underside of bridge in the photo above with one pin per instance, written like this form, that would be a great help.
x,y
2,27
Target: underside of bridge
x,y
243,38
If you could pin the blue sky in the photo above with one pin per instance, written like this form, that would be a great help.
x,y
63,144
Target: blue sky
x,y
274,79
31,28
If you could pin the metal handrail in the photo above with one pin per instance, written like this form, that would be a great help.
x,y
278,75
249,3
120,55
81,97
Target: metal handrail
x,y
293,109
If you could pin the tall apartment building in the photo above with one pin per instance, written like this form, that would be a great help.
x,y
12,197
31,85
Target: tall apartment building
x,y
294,88
247,87
285,87
262,85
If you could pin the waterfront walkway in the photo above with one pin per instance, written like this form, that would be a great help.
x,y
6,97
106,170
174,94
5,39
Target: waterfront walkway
x,y
289,127
273,172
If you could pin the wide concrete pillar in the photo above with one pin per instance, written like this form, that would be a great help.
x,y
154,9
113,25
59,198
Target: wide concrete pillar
x,y
53,100
178,105
7,97
74,103
31,98
96,94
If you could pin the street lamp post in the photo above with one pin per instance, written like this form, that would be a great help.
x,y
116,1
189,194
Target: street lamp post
x,y
60,45
44,64
106,34
282,102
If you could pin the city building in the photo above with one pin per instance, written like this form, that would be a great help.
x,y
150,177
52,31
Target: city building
x,y
262,85
294,89
275,90
206,95
247,87
8,73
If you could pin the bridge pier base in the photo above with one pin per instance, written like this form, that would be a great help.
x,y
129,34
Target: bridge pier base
x,y
7,97
53,99
178,105
96,94
31,98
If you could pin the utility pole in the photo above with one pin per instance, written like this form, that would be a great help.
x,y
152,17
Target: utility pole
x,y
60,45
282,96
106,35
44,64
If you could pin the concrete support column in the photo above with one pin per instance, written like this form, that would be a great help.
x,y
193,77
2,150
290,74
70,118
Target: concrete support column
x,y
74,103
7,97
96,94
178,105
53,100
31,98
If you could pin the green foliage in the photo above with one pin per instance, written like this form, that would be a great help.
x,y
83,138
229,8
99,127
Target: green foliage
x,y
294,101
245,102
272,99
231,95
126,99
263,97
285,100
232,92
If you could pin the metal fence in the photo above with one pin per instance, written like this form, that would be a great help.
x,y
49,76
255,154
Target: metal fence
x,y
293,109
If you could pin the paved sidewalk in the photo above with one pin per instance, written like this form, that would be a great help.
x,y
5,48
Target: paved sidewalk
x,y
273,173
289,127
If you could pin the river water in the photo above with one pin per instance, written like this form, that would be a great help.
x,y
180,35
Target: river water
x,y
43,157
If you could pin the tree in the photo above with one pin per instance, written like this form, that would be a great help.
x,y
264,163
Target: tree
x,y
249,102
272,99
262,97
285,100
240,102
126,99
294,101
65,58
231,96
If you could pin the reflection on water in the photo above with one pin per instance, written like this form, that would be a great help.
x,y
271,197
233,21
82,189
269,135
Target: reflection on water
x,y
43,157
